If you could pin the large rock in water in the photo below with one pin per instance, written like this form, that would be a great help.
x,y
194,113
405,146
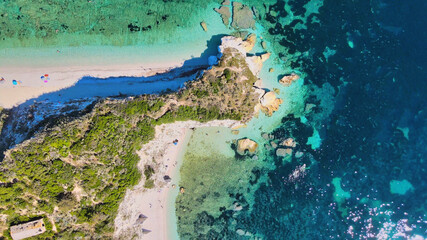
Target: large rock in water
x,y
270,103
204,26
243,17
225,14
288,79
246,144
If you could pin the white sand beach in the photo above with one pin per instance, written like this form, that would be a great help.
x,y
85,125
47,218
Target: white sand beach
x,y
67,67
157,204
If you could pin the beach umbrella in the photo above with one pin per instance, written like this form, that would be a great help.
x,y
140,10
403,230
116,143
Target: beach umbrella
x,y
14,82
141,219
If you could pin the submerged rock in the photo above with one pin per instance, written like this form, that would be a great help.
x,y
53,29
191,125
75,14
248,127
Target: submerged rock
x,y
270,103
246,144
225,14
299,154
204,26
273,144
289,79
309,107
237,207
283,152
264,45
243,16
240,232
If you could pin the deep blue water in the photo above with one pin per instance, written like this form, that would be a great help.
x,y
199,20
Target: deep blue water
x,y
380,88
375,135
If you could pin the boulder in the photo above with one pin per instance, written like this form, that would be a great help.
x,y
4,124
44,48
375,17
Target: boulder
x,y
226,2
283,152
246,144
249,42
289,142
287,80
225,14
243,17
204,26
271,70
255,62
270,103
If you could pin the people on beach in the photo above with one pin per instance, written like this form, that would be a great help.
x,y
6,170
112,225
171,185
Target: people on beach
x,y
15,82
45,78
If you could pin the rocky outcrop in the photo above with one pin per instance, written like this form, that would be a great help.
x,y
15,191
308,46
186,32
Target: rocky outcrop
x,y
256,62
243,17
248,145
225,14
204,26
249,42
269,103
289,142
289,79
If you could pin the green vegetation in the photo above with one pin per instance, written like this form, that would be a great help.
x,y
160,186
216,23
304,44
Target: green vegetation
x,y
227,74
148,172
77,173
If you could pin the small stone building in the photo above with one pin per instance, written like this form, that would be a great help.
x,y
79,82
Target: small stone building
x,y
28,229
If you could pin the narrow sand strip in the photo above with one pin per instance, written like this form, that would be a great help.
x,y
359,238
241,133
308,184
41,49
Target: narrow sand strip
x,y
31,85
165,158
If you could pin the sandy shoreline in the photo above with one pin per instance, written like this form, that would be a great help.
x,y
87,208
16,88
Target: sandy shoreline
x,y
157,204
65,76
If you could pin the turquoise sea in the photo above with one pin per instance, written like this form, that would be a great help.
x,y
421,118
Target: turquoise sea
x,y
358,114
358,117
